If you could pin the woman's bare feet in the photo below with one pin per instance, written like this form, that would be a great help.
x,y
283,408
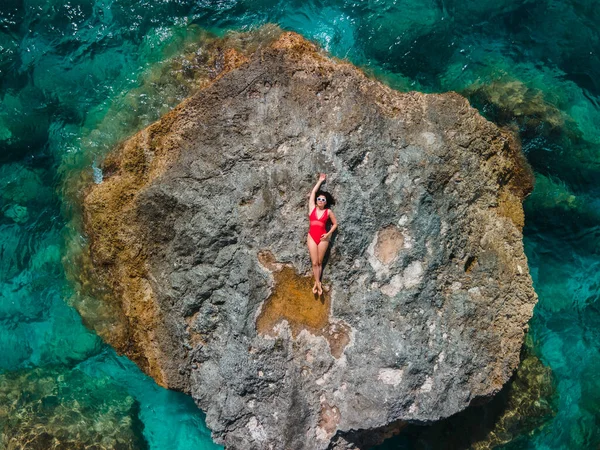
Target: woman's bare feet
x,y
320,289
314,289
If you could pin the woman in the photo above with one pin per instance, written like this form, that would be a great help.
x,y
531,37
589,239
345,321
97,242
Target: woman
x,y
318,237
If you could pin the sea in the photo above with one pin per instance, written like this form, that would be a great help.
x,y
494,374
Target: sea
x,y
78,76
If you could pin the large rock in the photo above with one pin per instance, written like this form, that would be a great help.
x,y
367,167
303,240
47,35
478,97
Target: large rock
x,y
200,224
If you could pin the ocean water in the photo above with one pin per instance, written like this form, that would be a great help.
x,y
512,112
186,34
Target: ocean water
x,y
77,76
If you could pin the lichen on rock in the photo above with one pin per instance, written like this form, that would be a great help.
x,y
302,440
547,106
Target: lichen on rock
x,y
199,229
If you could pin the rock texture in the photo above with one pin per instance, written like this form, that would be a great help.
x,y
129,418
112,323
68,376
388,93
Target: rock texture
x,y
54,409
199,229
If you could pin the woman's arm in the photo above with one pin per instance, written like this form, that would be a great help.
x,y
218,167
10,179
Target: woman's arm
x,y
311,201
334,226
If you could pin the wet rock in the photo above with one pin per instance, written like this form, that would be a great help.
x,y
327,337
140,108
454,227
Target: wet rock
x,y
199,229
510,102
57,409
17,213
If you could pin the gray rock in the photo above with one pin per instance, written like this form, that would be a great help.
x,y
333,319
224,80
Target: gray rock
x,y
200,229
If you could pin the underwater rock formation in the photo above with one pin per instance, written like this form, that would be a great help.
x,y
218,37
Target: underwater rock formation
x,y
199,230
44,409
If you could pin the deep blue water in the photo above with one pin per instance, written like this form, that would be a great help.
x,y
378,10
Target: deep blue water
x,y
76,76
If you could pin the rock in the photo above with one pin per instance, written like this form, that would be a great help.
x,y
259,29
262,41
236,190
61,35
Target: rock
x,y
524,407
50,408
199,229
528,403
512,102
17,213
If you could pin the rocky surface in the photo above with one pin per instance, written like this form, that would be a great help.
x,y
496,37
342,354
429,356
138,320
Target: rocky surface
x,y
199,229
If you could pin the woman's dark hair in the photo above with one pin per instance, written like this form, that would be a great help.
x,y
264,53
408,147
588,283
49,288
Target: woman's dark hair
x,y
328,196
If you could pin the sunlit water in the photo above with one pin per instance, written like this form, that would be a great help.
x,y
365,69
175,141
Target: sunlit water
x,y
77,76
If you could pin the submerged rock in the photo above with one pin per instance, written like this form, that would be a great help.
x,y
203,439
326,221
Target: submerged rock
x,y
52,408
199,229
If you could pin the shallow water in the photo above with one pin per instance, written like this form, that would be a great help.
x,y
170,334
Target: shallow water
x,y
78,76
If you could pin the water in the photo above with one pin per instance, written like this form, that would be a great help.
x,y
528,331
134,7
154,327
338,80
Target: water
x,y
76,76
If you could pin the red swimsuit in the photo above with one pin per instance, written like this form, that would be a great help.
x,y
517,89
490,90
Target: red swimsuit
x,y
317,225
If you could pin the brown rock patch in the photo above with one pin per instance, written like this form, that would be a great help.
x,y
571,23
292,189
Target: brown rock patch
x,y
509,205
329,418
292,300
389,243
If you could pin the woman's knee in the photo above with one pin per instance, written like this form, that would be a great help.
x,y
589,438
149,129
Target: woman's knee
x,y
316,264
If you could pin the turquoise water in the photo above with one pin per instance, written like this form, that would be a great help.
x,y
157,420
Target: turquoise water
x,y
77,76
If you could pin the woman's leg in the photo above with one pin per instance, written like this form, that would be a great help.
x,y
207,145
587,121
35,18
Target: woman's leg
x,y
322,249
314,258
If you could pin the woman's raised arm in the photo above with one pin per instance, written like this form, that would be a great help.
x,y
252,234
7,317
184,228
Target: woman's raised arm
x,y
311,201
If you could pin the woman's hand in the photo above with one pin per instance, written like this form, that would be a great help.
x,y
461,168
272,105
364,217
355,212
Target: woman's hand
x,y
311,199
325,236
